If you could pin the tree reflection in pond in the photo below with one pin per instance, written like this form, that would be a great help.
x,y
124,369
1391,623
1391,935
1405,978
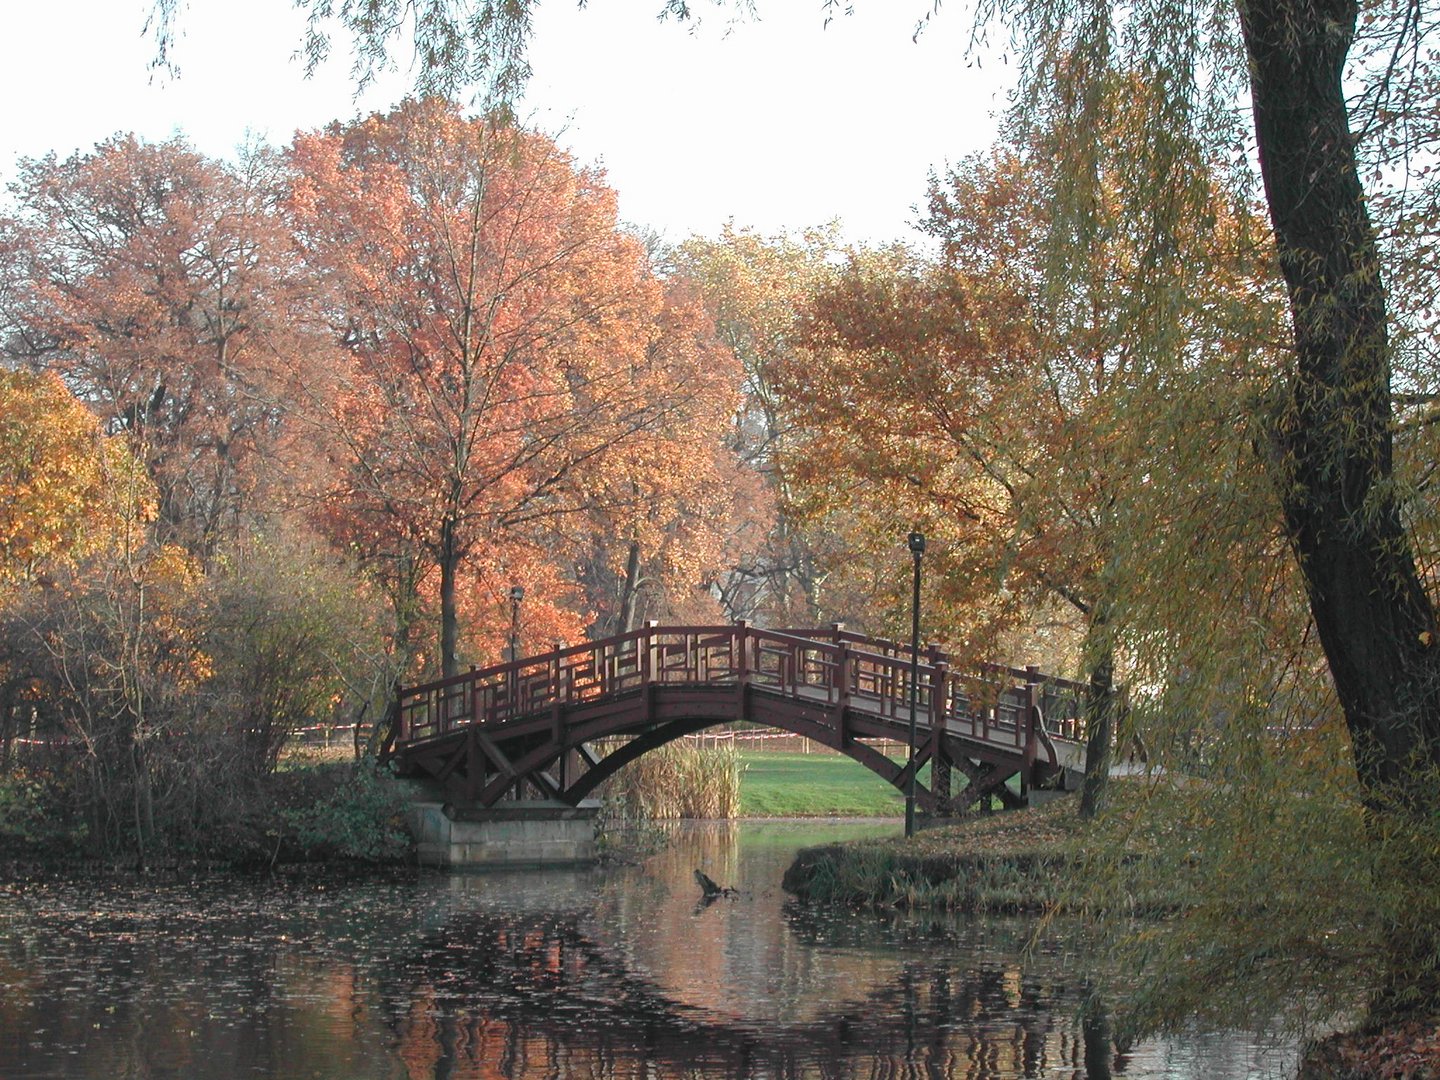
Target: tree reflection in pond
x,y
529,994
613,974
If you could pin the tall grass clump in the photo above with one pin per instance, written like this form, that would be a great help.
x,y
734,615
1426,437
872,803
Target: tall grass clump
x,y
679,780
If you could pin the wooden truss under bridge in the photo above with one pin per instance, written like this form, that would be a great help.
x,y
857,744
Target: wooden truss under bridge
x,y
555,726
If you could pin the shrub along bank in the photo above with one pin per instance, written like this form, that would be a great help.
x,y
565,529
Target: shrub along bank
x,y
306,811
678,780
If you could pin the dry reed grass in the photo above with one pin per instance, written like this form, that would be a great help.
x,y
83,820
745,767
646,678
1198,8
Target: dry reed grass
x,y
679,780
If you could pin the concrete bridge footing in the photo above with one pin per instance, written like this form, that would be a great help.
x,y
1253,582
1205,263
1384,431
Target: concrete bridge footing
x,y
509,834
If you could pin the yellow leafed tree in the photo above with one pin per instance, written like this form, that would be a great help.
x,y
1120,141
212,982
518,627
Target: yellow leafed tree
x,y
66,490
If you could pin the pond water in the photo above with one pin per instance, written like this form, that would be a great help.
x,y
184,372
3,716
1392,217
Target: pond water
x,y
545,975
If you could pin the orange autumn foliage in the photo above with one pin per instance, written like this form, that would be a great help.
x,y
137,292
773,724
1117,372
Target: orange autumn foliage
x,y
1027,433
507,368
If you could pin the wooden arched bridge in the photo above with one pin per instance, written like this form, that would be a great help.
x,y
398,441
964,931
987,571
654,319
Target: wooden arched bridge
x,y
556,725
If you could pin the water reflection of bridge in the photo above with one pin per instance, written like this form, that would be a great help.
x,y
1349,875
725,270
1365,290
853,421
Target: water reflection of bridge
x,y
533,728
505,996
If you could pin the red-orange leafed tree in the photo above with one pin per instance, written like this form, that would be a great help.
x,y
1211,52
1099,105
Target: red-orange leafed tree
x,y
496,322
159,284
669,502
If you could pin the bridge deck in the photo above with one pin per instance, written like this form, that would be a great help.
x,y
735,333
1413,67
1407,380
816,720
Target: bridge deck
x,y
533,721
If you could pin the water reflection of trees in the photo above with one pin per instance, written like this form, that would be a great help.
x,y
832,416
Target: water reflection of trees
x,y
484,977
503,997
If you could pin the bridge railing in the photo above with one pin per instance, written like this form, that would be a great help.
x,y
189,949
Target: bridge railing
x,y
995,687
570,675
832,667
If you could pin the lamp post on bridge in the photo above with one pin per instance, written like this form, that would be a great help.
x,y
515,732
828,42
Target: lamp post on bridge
x,y
517,593
917,549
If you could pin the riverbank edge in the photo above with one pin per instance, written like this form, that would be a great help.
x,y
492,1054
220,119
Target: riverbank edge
x,y
877,876
1015,863
1004,863
1408,1051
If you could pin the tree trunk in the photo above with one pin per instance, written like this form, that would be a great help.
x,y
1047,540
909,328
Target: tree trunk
x,y
1375,622
449,620
8,710
1099,733
629,590
1334,474
141,803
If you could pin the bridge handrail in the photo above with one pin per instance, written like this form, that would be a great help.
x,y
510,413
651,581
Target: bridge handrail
x,y
991,702
888,650
510,675
1055,689
931,653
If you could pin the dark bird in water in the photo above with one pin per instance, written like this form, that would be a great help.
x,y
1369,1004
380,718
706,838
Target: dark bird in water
x,y
710,889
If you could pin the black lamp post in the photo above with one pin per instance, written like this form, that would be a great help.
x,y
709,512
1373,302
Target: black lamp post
x,y
917,549
517,593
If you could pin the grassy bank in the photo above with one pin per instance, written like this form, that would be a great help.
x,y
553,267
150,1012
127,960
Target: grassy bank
x,y
817,784
1011,862
1002,862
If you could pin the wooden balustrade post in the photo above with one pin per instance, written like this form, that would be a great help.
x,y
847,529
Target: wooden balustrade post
x,y
1032,724
743,668
557,735
472,707
837,629
842,677
1035,698
652,652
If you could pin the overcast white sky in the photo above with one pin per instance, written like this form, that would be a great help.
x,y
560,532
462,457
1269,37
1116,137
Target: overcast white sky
x,y
776,124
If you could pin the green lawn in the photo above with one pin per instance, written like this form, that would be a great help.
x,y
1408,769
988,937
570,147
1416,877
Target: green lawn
x,y
813,785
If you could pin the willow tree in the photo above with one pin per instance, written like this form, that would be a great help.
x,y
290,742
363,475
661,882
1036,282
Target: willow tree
x,y
1057,446
1330,452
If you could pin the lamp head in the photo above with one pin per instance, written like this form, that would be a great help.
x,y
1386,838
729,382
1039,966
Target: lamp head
x,y
517,593
917,543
